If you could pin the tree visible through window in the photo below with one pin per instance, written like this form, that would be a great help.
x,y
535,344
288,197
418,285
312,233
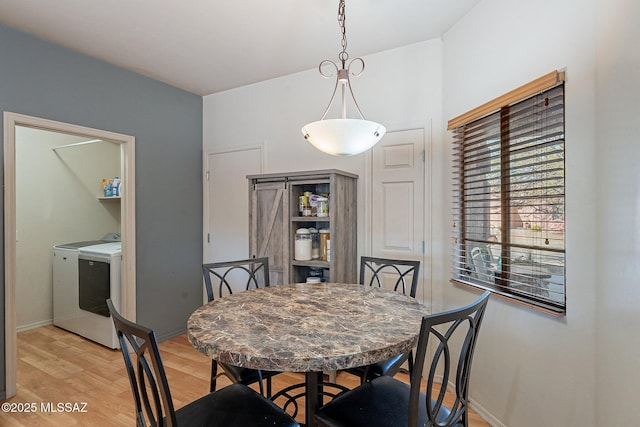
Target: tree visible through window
x,y
509,199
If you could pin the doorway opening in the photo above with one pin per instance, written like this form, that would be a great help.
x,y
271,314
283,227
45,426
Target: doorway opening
x,y
127,222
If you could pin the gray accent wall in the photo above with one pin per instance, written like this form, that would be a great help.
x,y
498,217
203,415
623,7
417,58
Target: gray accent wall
x,y
41,79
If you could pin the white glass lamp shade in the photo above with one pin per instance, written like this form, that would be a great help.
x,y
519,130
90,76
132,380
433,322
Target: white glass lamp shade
x,y
343,137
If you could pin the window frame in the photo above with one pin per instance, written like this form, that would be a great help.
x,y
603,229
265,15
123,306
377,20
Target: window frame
x,y
549,264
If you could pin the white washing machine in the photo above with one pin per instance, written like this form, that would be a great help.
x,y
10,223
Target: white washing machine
x,y
85,274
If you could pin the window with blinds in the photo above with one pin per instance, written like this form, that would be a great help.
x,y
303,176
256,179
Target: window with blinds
x,y
509,197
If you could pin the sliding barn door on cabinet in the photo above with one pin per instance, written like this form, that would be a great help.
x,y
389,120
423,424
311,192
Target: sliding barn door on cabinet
x,y
269,227
276,215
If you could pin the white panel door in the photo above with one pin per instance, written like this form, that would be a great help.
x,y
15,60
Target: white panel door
x,y
227,203
398,194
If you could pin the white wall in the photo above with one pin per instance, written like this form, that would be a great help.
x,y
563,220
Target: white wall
x,y
618,195
400,88
56,202
532,369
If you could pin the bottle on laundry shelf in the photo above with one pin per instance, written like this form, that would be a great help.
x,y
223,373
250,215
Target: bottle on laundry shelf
x,y
107,187
116,187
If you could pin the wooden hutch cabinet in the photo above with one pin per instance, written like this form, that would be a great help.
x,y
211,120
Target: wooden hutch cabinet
x,y
275,216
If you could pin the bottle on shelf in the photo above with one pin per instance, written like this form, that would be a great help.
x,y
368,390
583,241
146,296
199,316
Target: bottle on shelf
x,y
107,187
324,244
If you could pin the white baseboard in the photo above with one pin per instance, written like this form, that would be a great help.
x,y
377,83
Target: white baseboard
x,y
484,414
34,325
479,409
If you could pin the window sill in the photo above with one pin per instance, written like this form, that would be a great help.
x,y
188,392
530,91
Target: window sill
x,y
514,297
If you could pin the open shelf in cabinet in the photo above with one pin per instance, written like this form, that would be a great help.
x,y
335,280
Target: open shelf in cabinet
x,y
276,216
323,219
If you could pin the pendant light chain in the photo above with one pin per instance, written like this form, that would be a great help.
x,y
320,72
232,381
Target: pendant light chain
x,y
343,56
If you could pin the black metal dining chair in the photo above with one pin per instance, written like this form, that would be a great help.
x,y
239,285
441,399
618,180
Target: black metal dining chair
x,y
236,405
403,276
224,278
388,402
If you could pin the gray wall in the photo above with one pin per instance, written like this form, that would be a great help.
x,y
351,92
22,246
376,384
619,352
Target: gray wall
x,y
44,80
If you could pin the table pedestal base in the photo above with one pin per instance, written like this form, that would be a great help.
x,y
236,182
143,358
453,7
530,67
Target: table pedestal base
x,y
313,391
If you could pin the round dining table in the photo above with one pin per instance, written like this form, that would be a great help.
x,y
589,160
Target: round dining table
x,y
307,328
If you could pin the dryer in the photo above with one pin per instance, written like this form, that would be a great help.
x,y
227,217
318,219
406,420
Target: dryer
x,y
85,274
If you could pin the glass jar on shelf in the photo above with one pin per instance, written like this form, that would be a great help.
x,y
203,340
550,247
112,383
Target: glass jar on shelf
x,y
322,208
315,243
303,245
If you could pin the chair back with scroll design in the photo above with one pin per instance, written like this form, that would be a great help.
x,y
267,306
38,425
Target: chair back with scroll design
x,y
400,275
146,372
234,406
229,276
225,278
450,337
374,271
454,333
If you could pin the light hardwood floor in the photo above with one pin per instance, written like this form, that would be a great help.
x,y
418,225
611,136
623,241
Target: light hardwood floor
x,y
57,367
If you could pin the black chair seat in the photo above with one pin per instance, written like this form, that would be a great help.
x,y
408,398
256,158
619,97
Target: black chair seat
x,y
364,409
386,367
233,406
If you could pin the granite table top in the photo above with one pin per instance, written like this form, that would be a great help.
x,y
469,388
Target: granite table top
x,y
306,327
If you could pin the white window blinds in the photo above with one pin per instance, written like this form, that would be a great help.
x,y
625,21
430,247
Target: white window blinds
x,y
509,200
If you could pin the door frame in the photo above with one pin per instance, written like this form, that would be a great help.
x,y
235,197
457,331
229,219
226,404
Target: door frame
x,y
206,183
127,215
206,255
426,272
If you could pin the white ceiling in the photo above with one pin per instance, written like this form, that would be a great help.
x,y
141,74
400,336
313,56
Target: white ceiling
x,y
208,46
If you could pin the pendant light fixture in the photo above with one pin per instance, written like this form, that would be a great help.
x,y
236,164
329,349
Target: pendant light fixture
x,y
343,136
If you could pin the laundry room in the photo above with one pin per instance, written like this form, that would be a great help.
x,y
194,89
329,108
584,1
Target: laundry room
x,y
60,198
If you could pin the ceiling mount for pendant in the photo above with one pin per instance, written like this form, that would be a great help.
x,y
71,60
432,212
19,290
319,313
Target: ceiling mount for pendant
x,y
343,136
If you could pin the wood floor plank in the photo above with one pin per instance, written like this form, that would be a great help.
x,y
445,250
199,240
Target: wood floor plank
x,y
55,366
